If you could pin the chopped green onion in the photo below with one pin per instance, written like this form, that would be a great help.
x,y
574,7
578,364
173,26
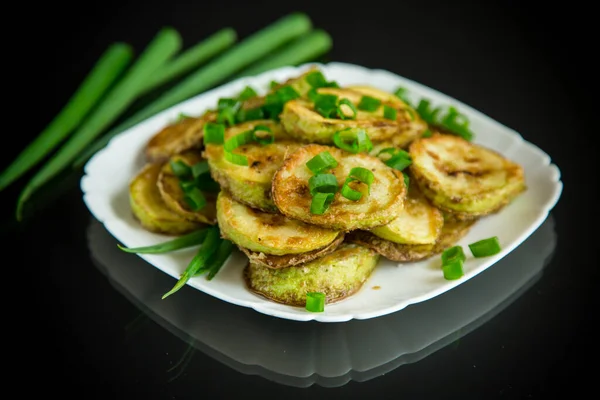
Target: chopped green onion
x,y
237,159
427,133
406,179
312,95
368,103
214,133
486,247
320,202
188,240
322,183
453,253
326,105
390,112
209,246
251,114
453,270
357,174
316,79
287,93
399,159
226,116
200,168
195,198
341,114
332,84
321,162
353,140
273,106
239,140
263,135
187,185
315,302
225,102
207,184
402,93
273,84
247,93
181,169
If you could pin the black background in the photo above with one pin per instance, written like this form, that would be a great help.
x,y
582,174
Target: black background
x,y
528,66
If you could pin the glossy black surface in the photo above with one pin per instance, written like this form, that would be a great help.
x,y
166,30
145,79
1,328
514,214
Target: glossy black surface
x,y
83,319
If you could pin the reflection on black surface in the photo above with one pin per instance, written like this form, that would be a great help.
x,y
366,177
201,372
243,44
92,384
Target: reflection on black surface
x,y
329,354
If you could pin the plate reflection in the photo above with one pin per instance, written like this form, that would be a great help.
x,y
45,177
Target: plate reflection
x,y
328,354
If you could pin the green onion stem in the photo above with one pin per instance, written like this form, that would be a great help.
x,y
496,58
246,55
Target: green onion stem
x,y
188,240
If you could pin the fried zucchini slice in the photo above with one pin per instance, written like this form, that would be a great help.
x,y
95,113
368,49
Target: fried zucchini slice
x,y
149,208
178,137
288,260
174,197
418,223
463,178
338,275
250,185
452,232
300,119
267,232
384,203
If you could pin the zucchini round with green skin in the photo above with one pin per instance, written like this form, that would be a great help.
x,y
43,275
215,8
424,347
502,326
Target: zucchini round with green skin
x,y
463,178
452,232
178,137
267,232
149,208
288,260
174,197
338,275
300,119
418,223
251,184
384,202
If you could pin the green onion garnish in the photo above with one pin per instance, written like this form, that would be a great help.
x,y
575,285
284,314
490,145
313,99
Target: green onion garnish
x,y
357,174
486,247
263,134
200,168
181,242
217,259
225,102
273,84
180,169
406,179
326,105
340,112
453,253
214,133
315,302
194,198
320,202
402,94
316,79
368,103
251,114
247,93
287,93
260,134
453,270
312,95
322,183
454,122
399,159
321,162
390,112
226,116
353,140
427,133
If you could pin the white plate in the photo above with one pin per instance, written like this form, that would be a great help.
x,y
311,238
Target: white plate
x,y
107,176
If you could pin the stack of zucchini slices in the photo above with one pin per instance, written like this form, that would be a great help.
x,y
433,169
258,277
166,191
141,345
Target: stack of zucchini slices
x,y
266,204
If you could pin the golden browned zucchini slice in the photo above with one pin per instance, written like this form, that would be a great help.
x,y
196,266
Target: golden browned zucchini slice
x,y
384,203
250,184
287,260
178,137
338,275
267,232
300,119
174,197
452,232
464,178
149,208
418,223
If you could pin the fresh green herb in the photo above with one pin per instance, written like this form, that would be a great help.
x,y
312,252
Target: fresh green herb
x,y
340,112
214,133
260,134
406,179
486,247
226,116
368,103
226,102
166,43
200,168
321,162
263,135
320,203
218,259
402,94
194,238
273,84
326,105
209,246
181,169
104,73
194,198
315,302
453,121
353,140
316,79
390,112
427,133
322,183
398,158
247,93
453,253
453,269
357,174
